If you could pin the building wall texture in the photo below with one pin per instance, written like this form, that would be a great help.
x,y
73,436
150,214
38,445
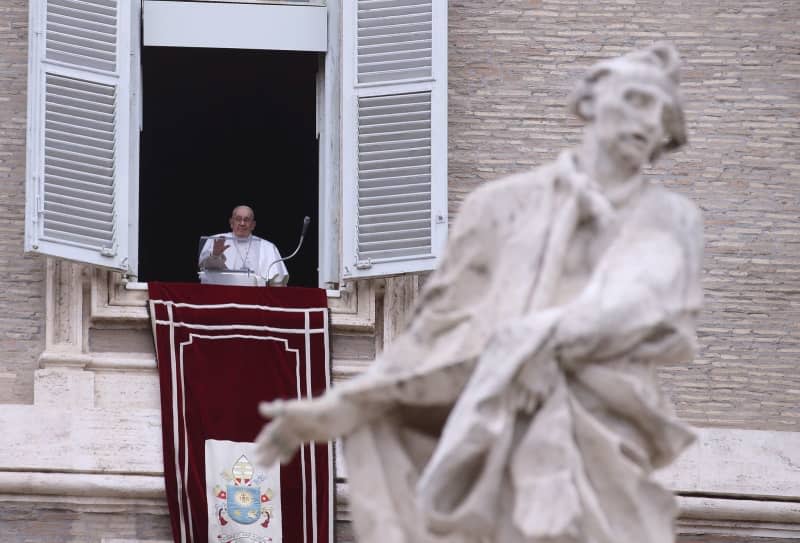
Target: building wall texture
x,y
21,277
51,524
512,65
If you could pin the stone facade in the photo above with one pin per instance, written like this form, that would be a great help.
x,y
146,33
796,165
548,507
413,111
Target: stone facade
x,y
22,277
511,65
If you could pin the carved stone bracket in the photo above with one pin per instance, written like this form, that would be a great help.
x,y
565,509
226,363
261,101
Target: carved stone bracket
x,y
399,295
65,329
353,308
113,299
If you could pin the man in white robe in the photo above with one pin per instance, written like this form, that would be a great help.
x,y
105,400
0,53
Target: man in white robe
x,y
522,403
240,250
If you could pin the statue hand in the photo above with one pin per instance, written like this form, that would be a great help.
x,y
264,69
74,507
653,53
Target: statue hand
x,y
278,440
295,422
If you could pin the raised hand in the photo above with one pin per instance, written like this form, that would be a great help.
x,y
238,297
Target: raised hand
x,y
219,247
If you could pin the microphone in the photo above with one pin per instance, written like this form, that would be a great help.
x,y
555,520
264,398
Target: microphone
x,y
306,222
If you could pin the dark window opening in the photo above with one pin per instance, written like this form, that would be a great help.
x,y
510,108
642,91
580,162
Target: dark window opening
x,y
223,127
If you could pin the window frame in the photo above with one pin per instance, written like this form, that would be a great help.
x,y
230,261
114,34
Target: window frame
x,y
336,195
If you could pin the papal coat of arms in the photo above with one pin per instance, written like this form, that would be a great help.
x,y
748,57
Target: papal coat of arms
x,y
241,501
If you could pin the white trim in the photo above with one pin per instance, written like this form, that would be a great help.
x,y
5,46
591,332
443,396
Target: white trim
x,y
331,473
330,200
183,395
35,118
238,327
135,127
136,285
175,433
235,26
185,433
239,306
307,332
127,140
439,132
348,138
312,444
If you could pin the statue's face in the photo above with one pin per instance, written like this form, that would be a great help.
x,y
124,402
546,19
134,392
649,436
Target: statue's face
x,y
629,119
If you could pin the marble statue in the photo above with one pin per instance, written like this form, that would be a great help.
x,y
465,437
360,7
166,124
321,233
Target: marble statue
x,y
522,404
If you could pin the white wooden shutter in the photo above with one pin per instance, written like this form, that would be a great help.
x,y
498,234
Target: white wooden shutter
x,y
394,136
82,138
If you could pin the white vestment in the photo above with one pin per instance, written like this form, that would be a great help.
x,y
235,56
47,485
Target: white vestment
x,y
251,253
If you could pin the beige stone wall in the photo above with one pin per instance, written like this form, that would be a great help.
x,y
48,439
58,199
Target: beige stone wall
x,y
21,278
511,66
512,63
40,524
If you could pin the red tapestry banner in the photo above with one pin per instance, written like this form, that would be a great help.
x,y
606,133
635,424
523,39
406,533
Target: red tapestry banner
x,y
221,350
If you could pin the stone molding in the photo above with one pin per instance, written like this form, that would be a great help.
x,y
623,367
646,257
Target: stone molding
x,y
399,296
707,504
80,296
131,493
735,517
114,299
65,327
119,489
742,464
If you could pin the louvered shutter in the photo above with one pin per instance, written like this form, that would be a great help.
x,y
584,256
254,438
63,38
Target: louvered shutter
x,y
394,136
82,143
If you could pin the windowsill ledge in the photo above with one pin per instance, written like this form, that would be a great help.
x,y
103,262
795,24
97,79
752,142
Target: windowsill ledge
x,y
137,286
113,300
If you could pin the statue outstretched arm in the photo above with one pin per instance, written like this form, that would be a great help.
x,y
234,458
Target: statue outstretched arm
x,y
295,422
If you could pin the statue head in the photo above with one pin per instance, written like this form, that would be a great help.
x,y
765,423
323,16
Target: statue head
x,y
632,106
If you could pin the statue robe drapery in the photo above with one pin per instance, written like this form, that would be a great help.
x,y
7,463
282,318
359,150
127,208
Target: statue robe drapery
x,y
509,412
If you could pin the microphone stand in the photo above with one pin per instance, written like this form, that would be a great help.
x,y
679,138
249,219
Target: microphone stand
x,y
306,222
